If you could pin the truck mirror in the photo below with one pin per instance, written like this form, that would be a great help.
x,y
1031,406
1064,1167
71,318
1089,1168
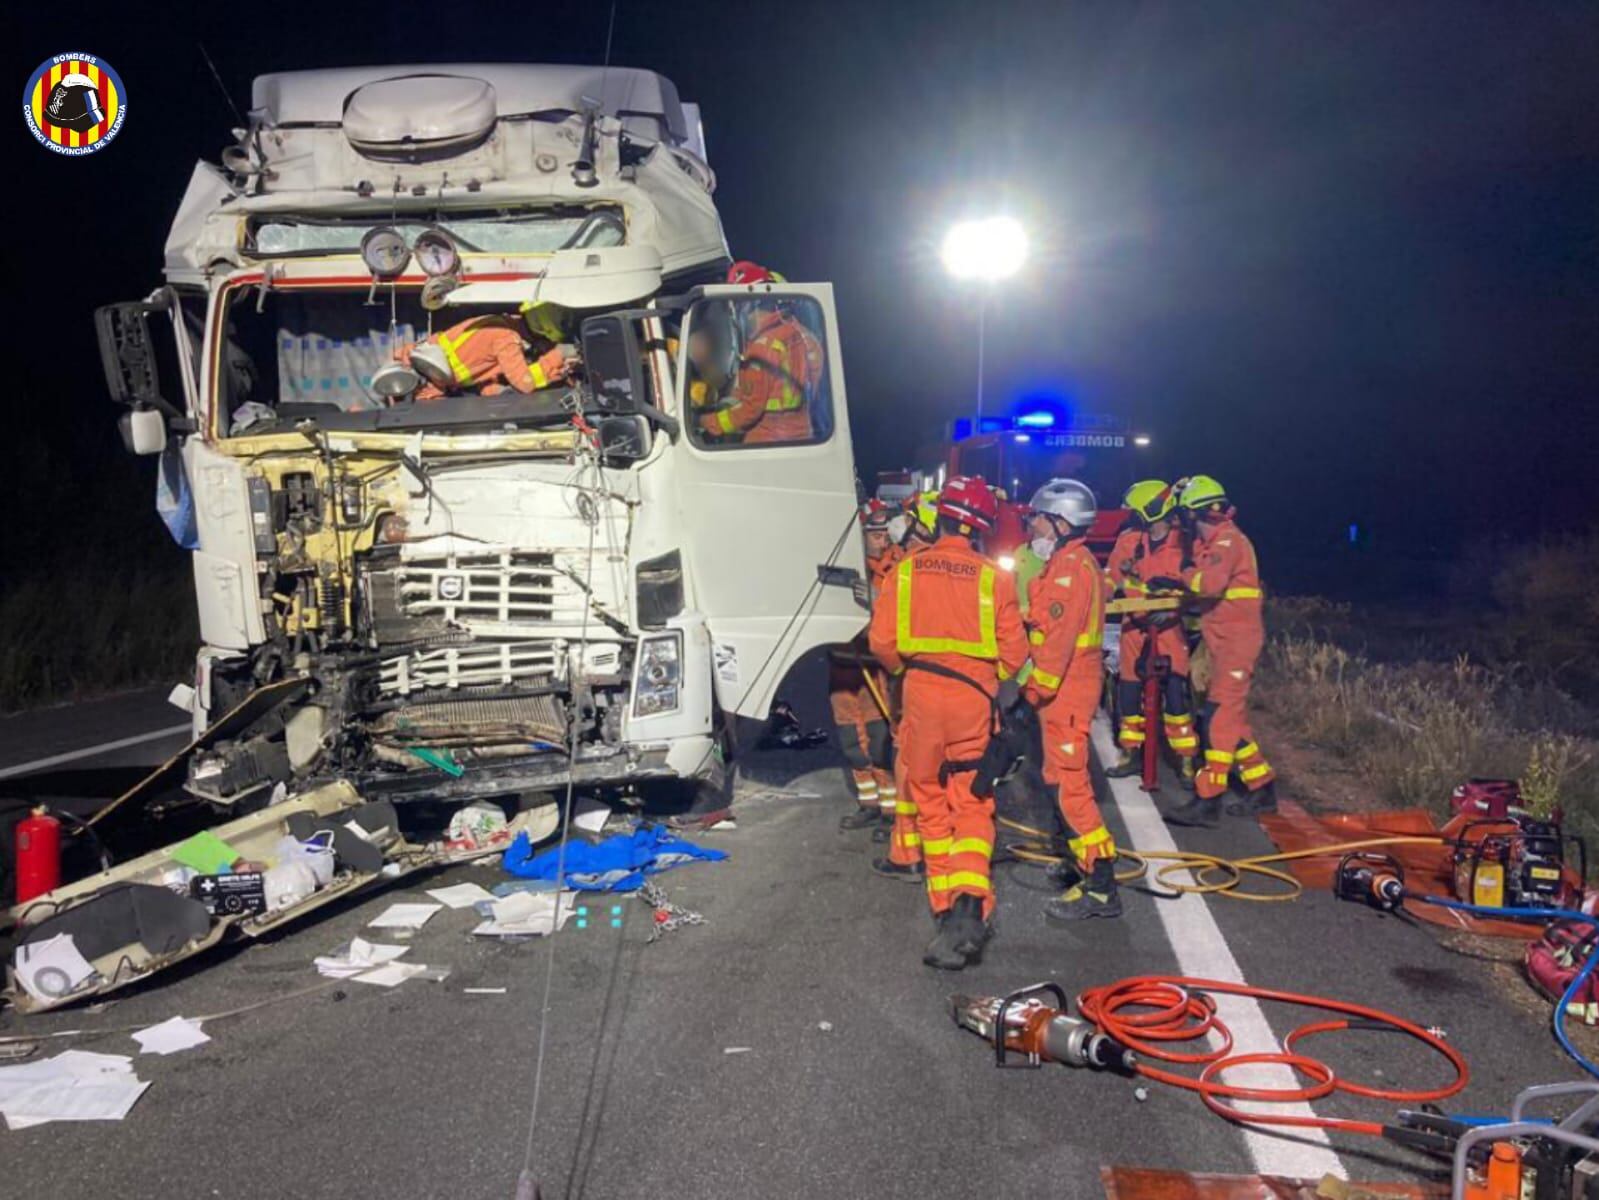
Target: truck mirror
x,y
127,355
144,430
613,365
624,439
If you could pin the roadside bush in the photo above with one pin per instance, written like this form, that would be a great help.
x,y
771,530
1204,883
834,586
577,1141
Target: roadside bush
x,y
1413,730
1548,594
92,627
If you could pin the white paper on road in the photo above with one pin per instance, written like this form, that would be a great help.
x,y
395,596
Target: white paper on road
x,y
76,1085
360,955
52,967
404,916
461,895
180,1033
392,974
591,814
524,913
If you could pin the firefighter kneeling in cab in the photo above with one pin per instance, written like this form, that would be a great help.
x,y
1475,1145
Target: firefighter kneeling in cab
x,y
1152,547
1066,620
488,355
948,617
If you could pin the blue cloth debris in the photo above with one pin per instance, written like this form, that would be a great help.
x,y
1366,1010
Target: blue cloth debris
x,y
617,864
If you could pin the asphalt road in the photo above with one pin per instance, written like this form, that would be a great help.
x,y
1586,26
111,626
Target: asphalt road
x,y
792,1045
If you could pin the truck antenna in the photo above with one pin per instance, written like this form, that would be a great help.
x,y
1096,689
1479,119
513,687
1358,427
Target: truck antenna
x,y
222,87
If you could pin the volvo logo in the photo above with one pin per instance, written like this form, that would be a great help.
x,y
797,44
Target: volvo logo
x,y
451,587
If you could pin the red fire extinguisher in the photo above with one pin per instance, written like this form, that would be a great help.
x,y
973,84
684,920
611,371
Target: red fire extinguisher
x,y
38,855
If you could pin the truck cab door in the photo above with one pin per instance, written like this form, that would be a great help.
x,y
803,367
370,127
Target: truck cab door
x,y
765,483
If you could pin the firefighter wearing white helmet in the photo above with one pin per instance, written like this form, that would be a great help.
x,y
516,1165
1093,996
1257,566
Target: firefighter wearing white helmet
x,y
1066,627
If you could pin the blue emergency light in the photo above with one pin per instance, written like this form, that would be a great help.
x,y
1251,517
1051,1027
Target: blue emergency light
x,y
1038,419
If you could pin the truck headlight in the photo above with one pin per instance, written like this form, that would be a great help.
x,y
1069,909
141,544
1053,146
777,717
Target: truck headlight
x,y
658,678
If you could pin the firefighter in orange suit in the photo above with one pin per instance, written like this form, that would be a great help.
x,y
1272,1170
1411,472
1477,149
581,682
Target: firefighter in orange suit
x,y
1151,547
858,711
949,618
778,373
1225,582
487,355
1066,619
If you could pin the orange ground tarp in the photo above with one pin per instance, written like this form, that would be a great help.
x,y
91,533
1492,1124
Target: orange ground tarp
x,y
1133,1183
1428,869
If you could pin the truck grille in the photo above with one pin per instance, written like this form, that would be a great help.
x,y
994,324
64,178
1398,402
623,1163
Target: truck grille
x,y
516,718
478,664
503,589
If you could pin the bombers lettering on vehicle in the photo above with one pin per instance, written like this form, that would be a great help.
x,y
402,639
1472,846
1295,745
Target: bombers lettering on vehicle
x,y
945,566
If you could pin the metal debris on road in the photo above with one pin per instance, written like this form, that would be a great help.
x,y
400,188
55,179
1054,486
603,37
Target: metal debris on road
x,y
668,916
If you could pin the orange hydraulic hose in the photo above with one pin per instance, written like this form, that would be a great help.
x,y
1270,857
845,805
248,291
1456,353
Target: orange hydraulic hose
x,y
1149,1012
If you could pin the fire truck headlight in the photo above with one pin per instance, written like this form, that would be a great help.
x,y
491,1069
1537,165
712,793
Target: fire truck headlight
x,y
658,677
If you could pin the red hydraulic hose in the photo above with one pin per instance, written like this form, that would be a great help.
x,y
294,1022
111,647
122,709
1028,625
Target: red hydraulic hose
x,y
1151,1012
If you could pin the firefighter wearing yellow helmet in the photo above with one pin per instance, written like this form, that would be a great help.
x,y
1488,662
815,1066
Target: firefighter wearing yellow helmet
x,y
1152,546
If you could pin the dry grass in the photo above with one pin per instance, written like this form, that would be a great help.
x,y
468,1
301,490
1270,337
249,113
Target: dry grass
x,y
90,628
1412,730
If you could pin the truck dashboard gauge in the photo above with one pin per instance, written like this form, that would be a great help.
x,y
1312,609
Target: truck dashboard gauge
x,y
384,251
436,253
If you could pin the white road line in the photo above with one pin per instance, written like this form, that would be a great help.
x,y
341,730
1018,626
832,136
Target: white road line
x,y
1202,951
55,760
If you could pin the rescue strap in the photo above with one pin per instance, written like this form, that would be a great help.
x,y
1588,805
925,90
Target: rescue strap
x,y
998,761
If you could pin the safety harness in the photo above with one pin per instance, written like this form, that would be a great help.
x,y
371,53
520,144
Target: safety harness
x,y
1005,750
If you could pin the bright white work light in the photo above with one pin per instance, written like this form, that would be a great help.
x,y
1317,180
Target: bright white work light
x,y
991,249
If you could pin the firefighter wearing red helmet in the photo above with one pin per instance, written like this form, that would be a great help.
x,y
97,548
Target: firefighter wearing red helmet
x,y
778,375
948,617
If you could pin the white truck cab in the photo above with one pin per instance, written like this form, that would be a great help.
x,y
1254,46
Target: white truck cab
x,y
485,592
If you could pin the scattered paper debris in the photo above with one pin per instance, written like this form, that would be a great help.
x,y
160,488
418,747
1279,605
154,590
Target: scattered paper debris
x,y
591,815
51,968
483,991
75,1085
825,1026
360,955
180,1033
737,1049
391,974
461,895
523,914
404,916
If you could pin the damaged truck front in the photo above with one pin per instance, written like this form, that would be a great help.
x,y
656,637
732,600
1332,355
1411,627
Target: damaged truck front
x,y
417,595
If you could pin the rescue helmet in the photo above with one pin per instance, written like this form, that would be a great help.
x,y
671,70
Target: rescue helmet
x,y
874,517
1151,499
744,272
1068,499
428,360
544,319
1202,491
967,499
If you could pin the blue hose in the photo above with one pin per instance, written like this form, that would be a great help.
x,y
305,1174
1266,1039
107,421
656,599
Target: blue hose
x,y
1540,914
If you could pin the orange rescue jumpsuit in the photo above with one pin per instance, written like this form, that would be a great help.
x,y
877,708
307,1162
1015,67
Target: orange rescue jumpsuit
x,y
950,607
1066,615
1226,574
485,353
856,710
777,380
1134,559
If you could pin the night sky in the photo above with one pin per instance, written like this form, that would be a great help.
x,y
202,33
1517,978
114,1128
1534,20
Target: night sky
x,y
1343,256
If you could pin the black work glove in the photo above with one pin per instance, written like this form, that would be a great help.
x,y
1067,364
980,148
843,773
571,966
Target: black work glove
x,y
1165,583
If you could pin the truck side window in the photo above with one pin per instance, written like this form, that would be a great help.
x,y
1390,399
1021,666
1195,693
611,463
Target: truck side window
x,y
757,373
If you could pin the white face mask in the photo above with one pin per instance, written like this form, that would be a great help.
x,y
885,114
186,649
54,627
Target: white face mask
x,y
898,527
1043,547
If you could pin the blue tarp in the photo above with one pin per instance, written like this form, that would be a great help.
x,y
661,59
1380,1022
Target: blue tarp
x,y
617,864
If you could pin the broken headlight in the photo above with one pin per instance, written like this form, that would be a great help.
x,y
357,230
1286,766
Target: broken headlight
x,y
658,679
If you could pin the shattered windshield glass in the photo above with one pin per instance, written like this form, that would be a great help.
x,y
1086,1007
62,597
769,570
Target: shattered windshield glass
x,y
525,232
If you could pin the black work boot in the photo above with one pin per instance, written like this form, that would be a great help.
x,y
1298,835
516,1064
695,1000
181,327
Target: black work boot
x,y
1129,764
971,931
859,819
941,951
1065,874
1257,803
1201,811
884,831
1096,897
888,869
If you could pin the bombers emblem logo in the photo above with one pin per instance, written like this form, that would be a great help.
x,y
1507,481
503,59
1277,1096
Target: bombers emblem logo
x,y
74,104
